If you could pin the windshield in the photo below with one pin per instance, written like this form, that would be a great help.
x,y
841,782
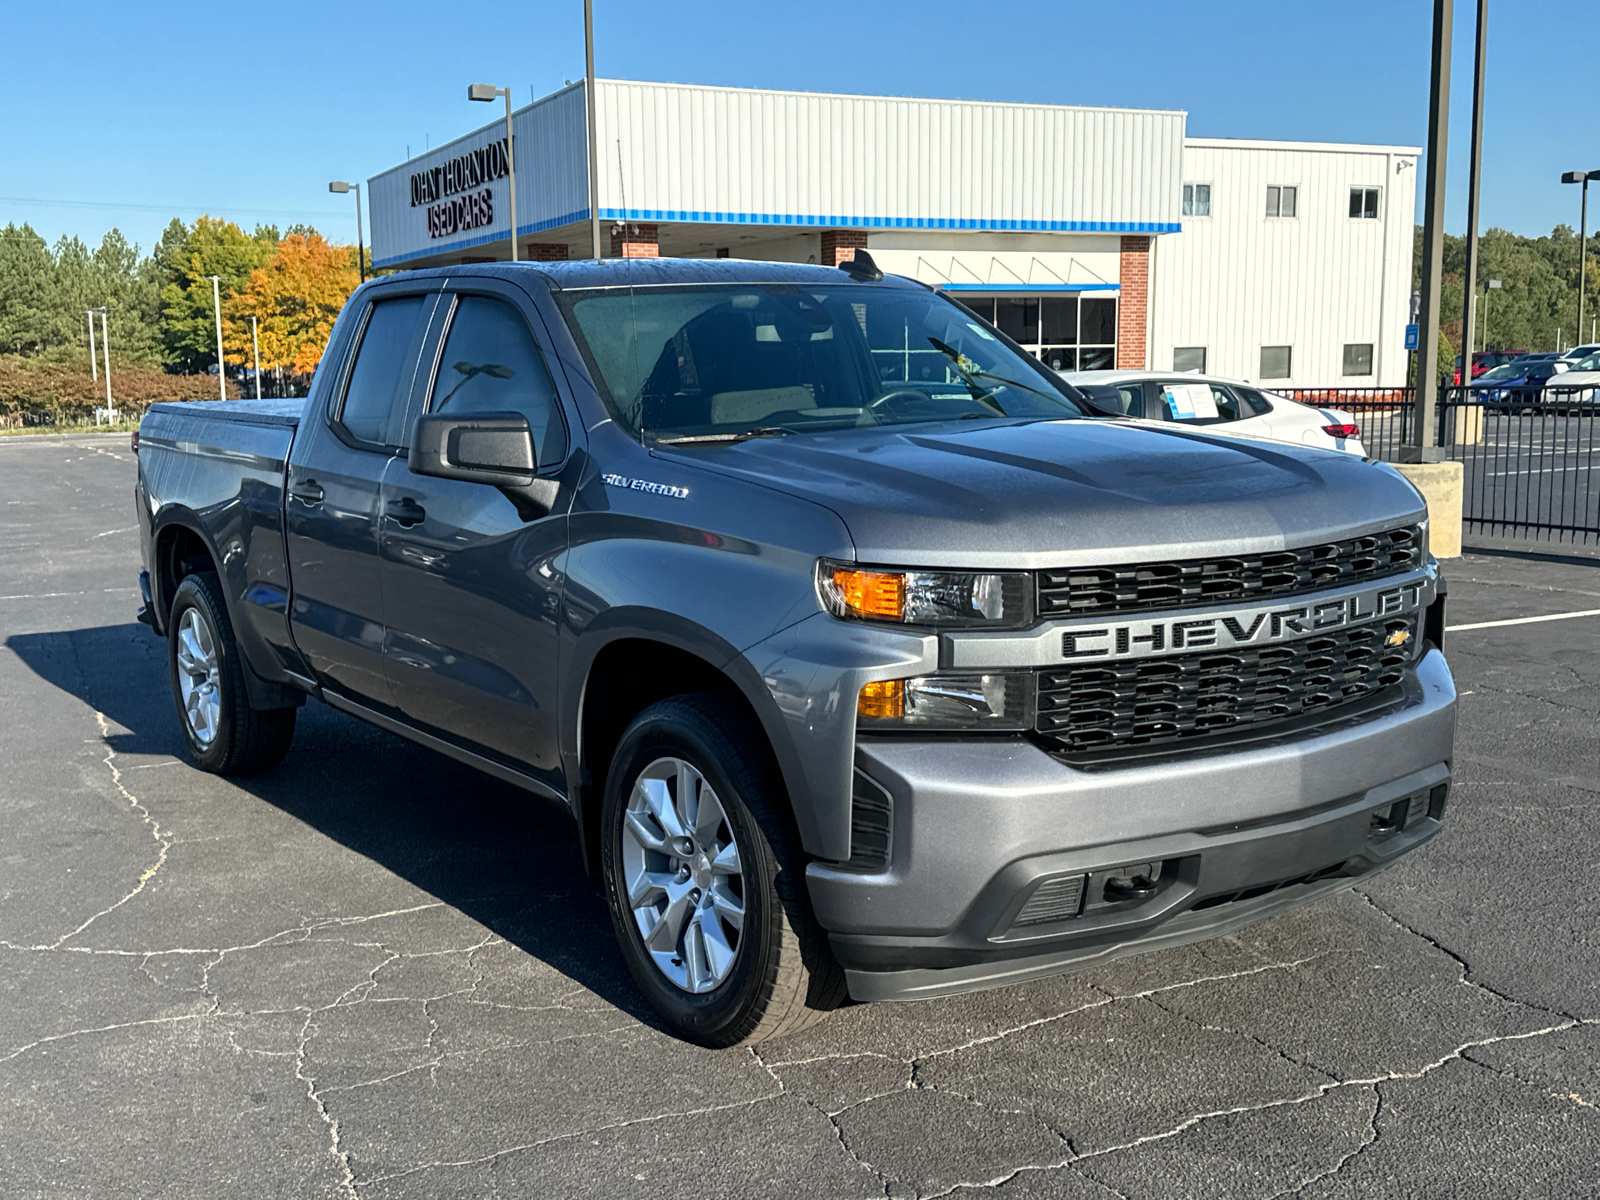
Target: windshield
x,y
1509,371
721,362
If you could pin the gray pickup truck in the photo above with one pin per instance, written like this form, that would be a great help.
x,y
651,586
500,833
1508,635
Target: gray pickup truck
x,y
864,656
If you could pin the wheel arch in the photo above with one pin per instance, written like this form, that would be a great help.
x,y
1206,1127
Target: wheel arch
x,y
181,547
628,666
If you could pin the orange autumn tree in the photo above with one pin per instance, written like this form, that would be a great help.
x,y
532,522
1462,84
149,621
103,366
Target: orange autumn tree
x,y
295,299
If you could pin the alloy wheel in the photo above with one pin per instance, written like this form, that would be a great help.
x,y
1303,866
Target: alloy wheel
x,y
684,879
199,682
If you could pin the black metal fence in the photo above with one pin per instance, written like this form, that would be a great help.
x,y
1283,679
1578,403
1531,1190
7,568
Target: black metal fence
x,y
1530,459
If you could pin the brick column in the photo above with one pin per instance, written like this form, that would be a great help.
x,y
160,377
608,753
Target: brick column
x,y
546,251
1133,310
636,240
840,245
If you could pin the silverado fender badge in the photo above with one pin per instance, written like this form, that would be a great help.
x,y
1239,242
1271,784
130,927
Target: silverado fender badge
x,y
646,485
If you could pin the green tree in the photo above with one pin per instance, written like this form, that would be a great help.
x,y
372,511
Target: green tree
x,y
188,321
27,283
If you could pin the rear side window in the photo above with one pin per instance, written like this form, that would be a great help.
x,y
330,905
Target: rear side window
x,y
491,364
375,380
1256,404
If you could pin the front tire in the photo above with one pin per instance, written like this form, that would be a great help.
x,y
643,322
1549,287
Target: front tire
x,y
224,734
705,878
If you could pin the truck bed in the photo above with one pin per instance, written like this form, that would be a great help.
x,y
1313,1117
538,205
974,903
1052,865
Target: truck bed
x,y
286,413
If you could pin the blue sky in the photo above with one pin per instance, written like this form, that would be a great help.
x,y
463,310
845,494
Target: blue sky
x,y
126,114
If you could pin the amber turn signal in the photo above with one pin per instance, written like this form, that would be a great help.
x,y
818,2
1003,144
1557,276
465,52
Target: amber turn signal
x,y
872,593
884,699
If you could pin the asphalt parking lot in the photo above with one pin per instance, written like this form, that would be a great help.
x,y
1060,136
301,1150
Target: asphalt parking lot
x,y
375,973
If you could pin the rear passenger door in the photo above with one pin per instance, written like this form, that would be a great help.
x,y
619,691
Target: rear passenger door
x,y
334,479
472,589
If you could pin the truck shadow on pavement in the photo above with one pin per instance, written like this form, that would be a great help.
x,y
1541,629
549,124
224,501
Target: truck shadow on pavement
x,y
505,858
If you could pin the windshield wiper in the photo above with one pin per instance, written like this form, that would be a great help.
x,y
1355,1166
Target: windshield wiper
x,y
970,371
743,435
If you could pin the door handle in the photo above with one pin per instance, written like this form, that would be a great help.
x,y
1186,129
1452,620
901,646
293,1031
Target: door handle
x,y
405,511
307,491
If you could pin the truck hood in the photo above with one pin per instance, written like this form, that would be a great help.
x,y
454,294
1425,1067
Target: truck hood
x,y
1062,493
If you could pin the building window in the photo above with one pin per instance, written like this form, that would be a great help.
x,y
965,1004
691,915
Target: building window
x,y
1275,361
1197,199
1281,201
1189,358
1358,358
1364,203
1066,332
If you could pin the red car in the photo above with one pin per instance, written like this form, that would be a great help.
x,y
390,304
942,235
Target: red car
x,y
1486,360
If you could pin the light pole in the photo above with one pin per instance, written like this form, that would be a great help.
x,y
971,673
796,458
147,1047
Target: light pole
x,y
1581,177
487,92
1470,293
105,345
594,135
255,345
1493,283
340,187
94,365
1420,446
222,367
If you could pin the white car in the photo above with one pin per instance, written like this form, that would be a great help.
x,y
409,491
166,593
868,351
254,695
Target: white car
x,y
1576,385
1224,405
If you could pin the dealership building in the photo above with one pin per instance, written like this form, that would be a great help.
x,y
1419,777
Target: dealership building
x,y
1096,237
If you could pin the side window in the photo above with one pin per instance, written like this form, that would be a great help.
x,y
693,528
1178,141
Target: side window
x,y
1132,398
1257,404
1190,401
491,363
1228,407
375,379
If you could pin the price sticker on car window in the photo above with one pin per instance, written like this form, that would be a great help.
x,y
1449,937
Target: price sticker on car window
x,y
1190,401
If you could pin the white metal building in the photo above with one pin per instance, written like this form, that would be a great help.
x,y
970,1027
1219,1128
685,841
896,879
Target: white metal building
x,y
1077,229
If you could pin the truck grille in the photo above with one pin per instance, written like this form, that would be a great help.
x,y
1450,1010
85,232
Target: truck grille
x,y
1159,700
1189,582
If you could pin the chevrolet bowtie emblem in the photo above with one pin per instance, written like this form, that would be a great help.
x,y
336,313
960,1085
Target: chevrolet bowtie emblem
x,y
1398,638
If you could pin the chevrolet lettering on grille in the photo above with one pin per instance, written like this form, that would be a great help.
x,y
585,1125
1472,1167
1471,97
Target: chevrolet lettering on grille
x,y
1221,628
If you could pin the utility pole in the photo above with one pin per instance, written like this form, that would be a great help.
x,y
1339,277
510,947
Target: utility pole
x,y
1420,447
594,134
255,346
94,366
1470,295
222,367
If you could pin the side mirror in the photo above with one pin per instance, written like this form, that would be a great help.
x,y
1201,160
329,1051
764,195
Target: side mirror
x,y
491,448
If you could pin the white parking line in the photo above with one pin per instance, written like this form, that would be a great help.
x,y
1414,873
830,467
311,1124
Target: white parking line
x,y
1588,612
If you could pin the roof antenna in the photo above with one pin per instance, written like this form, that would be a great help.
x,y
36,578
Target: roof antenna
x,y
862,267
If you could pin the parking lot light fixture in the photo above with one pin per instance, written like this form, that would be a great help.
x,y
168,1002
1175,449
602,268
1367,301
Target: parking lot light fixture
x,y
340,187
1582,178
487,93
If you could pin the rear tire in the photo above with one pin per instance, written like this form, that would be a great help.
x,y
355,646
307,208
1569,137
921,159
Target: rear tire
x,y
224,734
696,828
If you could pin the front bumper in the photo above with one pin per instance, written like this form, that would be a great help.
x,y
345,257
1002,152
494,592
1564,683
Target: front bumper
x,y
979,829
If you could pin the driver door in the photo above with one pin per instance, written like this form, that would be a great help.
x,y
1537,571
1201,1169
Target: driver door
x,y
471,589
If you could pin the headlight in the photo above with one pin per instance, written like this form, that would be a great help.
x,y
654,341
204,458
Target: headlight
x,y
940,598
997,701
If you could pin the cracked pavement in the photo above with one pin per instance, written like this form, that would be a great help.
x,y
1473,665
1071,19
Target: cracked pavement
x,y
375,973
